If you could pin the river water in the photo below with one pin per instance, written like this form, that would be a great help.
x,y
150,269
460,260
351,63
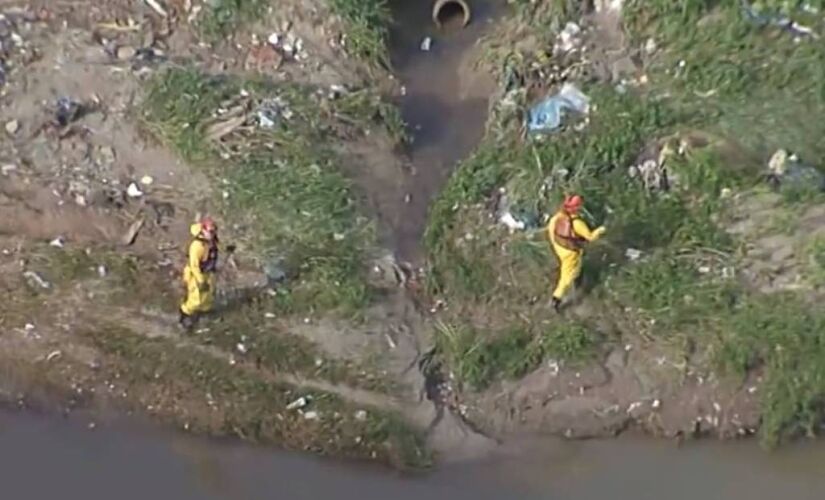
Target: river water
x,y
47,458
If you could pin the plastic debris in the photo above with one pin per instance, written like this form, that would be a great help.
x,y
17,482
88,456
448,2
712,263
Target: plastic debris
x,y
53,355
147,180
7,169
547,115
57,242
512,224
298,403
271,111
568,39
633,254
133,191
361,415
763,18
35,279
787,170
311,415
12,127
241,347
427,44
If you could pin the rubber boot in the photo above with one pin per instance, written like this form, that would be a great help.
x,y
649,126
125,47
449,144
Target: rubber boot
x,y
186,321
556,303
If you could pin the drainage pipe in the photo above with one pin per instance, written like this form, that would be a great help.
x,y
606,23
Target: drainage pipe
x,y
441,5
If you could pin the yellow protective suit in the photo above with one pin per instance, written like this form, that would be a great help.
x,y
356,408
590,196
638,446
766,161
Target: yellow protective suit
x,y
570,261
200,284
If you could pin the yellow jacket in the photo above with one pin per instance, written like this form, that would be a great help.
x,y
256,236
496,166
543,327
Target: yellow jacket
x,y
199,254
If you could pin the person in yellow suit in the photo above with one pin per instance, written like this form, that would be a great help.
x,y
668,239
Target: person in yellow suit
x,y
568,233
199,272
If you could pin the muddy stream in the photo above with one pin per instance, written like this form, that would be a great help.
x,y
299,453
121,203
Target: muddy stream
x,y
45,458
445,101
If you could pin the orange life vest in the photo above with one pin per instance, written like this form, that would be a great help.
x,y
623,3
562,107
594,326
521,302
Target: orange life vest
x,y
564,233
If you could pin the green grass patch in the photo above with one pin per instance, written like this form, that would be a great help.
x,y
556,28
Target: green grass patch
x,y
367,28
477,358
286,179
223,17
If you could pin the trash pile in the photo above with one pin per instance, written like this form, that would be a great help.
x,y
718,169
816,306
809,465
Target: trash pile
x,y
546,116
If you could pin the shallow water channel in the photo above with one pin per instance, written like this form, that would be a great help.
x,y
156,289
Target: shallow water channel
x,y
46,458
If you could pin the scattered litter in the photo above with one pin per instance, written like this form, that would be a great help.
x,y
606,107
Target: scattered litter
x,y
311,415
57,242
241,348
547,115
298,403
512,224
339,236
131,234
53,355
704,269
426,44
408,198
274,39
568,39
361,415
319,362
35,279
656,404
633,254
147,180
271,110
755,14
12,127
7,169
269,315
133,191
633,406
336,91
101,271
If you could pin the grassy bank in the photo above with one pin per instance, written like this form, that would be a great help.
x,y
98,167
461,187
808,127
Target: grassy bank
x,y
191,389
742,88
284,180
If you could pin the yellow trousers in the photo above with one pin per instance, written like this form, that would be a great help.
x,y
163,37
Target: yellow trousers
x,y
570,266
199,296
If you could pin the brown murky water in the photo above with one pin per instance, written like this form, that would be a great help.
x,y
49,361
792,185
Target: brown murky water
x,y
445,104
47,458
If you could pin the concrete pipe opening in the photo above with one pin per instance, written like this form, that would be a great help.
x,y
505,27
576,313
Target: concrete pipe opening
x,y
451,13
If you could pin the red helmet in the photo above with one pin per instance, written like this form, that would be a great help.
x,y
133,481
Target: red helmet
x,y
207,224
573,202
